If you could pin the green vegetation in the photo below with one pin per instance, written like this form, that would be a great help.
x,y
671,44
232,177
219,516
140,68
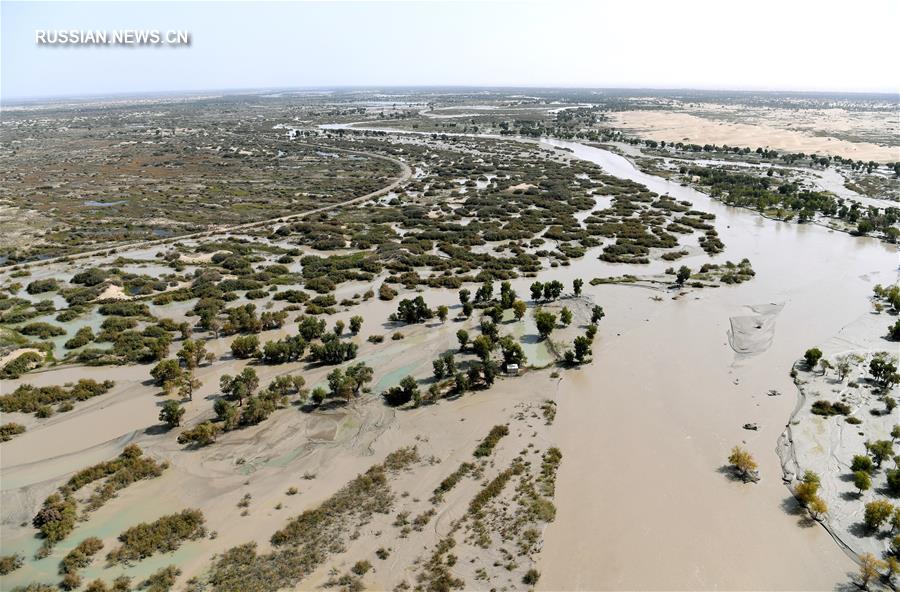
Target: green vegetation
x,y
8,430
21,364
29,399
164,535
308,540
487,445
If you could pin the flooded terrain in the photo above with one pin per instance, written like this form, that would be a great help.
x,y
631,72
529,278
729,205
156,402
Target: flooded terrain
x,y
620,464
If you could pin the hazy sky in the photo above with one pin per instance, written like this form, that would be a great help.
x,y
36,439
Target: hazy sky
x,y
764,44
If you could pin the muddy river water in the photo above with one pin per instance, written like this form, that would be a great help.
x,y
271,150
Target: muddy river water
x,y
642,502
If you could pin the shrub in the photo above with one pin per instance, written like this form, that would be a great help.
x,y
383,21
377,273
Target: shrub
x,y
360,568
10,563
531,577
42,330
827,408
21,364
42,286
8,430
487,445
164,535
161,580
81,556
30,399
82,337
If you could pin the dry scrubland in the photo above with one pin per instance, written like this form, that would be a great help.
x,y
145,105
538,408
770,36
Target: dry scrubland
x,y
295,370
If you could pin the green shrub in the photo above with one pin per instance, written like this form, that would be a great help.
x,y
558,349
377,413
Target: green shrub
x,y
21,364
42,330
8,430
164,535
487,445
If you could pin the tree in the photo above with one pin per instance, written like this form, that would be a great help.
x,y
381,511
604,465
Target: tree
x,y
684,272
862,481
552,290
482,346
485,292
463,337
895,432
894,331
318,395
356,322
461,383
226,413
245,346
545,322
861,462
597,314
241,386
519,309
311,328
842,367
192,353
405,392
582,346
507,295
442,312
877,512
817,507
825,365
565,316
884,370
869,567
464,296
743,463
881,450
512,352
577,284
347,383
333,352
812,357
187,384
495,313
339,328
413,311
171,413
449,364
166,371
438,368
537,289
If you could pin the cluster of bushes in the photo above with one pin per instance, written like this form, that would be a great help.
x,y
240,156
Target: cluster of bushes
x,y
307,540
21,364
8,430
450,481
490,441
164,535
827,408
42,330
55,520
81,556
30,399
129,467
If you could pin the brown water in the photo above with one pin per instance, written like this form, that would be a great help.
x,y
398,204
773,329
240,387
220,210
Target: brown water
x,y
645,429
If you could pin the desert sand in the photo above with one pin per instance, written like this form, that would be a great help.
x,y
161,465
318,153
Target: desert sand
x,y
684,127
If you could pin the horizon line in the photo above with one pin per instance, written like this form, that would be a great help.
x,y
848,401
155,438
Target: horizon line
x,y
226,91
